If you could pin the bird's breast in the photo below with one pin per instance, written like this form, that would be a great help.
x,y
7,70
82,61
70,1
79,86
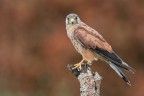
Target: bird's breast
x,y
77,46
87,54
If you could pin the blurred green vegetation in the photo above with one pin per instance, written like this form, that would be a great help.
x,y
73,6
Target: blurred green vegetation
x,y
35,50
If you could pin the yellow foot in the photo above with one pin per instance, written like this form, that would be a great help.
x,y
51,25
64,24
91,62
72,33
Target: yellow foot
x,y
77,66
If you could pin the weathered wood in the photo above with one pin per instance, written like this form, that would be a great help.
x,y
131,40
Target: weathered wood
x,y
89,82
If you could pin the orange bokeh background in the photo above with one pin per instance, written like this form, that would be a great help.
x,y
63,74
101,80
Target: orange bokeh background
x,y
35,49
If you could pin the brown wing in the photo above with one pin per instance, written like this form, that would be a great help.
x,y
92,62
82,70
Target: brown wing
x,y
90,39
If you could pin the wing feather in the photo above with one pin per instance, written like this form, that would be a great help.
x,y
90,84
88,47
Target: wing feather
x,y
92,40
89,38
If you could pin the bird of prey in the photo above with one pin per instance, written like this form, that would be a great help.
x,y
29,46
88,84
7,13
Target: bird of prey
x,y
92,46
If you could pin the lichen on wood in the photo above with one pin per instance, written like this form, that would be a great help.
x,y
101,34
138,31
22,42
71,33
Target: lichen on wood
x,y
89,82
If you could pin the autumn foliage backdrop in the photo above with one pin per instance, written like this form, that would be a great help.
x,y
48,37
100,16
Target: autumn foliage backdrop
x,y
35,50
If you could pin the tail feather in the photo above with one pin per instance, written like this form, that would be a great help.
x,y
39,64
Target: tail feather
x,y
119,72
123,65
114,58
115,62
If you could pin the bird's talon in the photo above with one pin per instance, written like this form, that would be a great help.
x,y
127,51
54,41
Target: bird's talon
x,y
78,66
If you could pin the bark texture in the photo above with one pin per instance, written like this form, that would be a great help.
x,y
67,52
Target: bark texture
x,y
89,82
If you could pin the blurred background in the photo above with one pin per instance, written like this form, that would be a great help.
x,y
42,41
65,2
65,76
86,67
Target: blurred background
x,y
35,49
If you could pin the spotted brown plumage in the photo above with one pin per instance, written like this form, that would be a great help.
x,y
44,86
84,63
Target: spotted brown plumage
x,y
92,46
90,38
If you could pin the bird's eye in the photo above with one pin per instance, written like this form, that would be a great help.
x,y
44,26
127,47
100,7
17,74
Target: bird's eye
x,y
67,18
76,18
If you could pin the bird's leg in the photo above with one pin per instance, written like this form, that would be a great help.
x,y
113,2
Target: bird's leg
x,y
78,65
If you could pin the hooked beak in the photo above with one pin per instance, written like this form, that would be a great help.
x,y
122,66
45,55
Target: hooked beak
x,y
72,20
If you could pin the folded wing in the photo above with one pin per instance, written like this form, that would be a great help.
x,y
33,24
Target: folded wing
x,y
93,41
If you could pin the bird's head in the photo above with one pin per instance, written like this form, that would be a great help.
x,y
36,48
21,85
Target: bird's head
x,y
72,19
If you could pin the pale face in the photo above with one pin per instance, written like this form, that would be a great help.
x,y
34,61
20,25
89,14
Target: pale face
x,y
72,19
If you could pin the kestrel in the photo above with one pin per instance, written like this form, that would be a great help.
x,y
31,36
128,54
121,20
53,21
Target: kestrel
x,y
92,46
